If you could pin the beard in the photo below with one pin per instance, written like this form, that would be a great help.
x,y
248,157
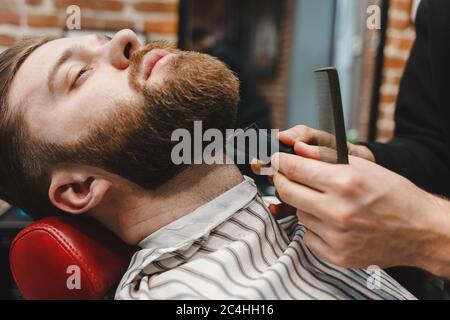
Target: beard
x,y
134,141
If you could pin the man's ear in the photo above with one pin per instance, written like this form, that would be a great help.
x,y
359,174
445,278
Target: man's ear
x,y
76,192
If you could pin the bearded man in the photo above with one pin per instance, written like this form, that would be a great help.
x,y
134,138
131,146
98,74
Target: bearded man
x,y
85,129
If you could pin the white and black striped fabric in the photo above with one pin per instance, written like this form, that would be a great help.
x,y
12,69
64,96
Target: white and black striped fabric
x,y
232,248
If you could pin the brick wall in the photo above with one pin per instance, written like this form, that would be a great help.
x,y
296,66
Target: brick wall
x,y
399,39
276,90
155,19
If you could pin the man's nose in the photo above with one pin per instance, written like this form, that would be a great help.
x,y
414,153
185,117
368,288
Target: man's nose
x,y
122,45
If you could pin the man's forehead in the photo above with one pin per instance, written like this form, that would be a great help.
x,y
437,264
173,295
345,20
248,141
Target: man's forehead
x,y
31,78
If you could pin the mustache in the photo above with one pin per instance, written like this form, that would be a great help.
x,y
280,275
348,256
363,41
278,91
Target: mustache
x,y
137,56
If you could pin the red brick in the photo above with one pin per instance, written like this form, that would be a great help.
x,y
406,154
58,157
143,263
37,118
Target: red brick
x,y
6,40
396,63
34,2
386,133
164,27
156,6
388,98
111,5
9,18
384,136
401,5
397,81
405,44
44,21
106,24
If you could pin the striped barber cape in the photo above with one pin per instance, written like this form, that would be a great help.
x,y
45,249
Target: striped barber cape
x,y
232,248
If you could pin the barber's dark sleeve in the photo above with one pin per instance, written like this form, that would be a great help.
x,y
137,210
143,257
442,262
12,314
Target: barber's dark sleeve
x,y
420,148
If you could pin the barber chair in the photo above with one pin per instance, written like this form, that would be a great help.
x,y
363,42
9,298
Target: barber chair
x,y
64,257
47,255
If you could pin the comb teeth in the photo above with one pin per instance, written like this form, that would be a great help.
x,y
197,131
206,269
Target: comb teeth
x,y
329,104
324,103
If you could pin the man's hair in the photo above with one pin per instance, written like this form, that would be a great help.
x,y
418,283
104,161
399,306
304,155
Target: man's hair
x,y
14,187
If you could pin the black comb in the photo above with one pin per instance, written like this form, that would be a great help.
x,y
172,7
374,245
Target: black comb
x,y
329,103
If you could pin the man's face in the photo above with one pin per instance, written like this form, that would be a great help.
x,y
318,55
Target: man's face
x,y
70,84
113,104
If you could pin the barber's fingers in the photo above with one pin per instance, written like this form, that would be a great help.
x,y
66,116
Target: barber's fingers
x,y
256,166
301,197
321,228
307,135
324,154
310,222
318,246
312,173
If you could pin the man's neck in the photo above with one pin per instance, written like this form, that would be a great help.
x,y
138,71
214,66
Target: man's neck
x,y
143,213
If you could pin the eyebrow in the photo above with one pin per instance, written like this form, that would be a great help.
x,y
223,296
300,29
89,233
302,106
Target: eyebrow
x,y
65,56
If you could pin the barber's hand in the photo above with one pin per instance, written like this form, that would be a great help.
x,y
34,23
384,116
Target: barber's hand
x,y
326,143
325,151
359,214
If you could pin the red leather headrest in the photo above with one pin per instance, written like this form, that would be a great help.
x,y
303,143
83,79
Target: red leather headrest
x,y
47,257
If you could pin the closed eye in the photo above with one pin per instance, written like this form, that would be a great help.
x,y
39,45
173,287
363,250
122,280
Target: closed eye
x,y
80,77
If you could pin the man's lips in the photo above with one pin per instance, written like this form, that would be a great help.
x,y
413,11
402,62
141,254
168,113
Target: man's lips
x,y
154,60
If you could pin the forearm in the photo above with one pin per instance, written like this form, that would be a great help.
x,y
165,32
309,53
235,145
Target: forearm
x,y
425,166
435,248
